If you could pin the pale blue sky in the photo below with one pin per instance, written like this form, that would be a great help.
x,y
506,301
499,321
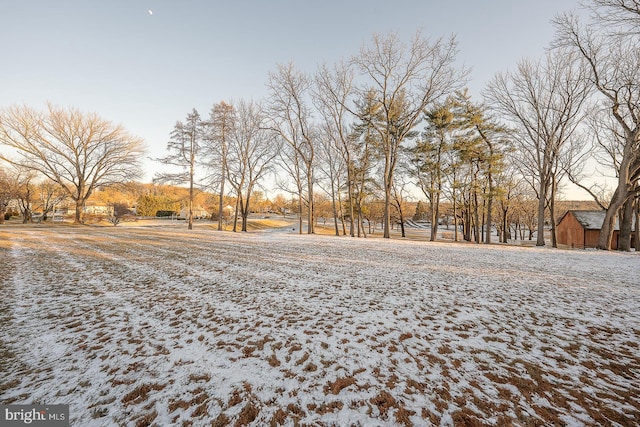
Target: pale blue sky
x,y
147,71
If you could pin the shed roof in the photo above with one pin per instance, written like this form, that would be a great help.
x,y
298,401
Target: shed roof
x,y
590,220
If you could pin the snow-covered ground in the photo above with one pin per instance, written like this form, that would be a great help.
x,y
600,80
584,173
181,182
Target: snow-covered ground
x,y
161,326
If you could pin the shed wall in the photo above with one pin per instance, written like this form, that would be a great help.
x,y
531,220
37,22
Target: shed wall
x,y
570,232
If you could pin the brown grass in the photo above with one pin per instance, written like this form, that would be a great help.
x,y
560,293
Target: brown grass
x,y
175,404
326,408
220,421
339,384
384,401
247,415
234,399
197,378
467,418
279,418
402,416
146,419
140,393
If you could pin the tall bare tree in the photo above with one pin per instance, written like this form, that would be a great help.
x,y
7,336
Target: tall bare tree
x,y
614,69
333,168
405,79
219,128
334,87
291,119
80,152
184,148
543,100
251,152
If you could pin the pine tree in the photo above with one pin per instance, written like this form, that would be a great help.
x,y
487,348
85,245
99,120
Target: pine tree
x,y
184,149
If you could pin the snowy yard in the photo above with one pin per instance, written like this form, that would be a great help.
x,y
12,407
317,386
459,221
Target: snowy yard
x,y
161,326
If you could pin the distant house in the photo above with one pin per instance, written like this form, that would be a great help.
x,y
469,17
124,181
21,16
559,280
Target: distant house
x,y
97,208
581,229
198,213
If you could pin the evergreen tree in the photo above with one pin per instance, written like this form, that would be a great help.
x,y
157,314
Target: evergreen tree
x,y
184,149
421,212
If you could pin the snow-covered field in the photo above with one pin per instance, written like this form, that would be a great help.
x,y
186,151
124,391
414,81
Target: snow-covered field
x,y
161,326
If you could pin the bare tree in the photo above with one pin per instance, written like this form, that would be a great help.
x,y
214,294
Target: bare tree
x,y
543,100
184,149
334,169
404,79
25,192
334,87
219,128
7,192
251,152
291,119
622,17
80,152
289,160
614,70
51,195
400,195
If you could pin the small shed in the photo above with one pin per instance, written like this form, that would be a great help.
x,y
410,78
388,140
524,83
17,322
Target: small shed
x,y
581,229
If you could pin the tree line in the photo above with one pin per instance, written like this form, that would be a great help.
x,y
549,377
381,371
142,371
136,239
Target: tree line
x,y
395,117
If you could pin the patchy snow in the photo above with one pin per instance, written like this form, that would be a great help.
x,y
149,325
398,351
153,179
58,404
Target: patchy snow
x,y
141,326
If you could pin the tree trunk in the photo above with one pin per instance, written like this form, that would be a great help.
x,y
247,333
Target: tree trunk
x,y
386,220
476,216
221,204
79,216
401,220
235,214
310,212
552,212
245,212
487,238
606,232
505,226
435,214
334,207
455,218
350,179
300,214
542,200
626,225
341,213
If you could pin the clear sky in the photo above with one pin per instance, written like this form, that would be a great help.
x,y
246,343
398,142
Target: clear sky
x,y
147,63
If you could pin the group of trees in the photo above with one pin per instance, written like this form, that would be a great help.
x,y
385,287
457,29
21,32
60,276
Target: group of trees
x,y
393,117
75,151
232,147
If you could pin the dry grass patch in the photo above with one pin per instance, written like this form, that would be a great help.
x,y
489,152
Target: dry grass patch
x,y
247,415
338,385
146,419
140,393
383,401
